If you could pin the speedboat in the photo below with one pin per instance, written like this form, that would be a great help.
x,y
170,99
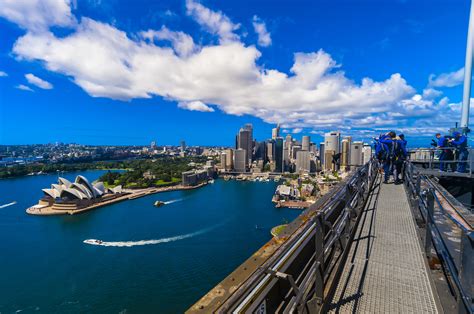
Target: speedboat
x,y
159,203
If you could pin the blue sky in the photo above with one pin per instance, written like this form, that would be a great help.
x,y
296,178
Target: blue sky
x,y
129,72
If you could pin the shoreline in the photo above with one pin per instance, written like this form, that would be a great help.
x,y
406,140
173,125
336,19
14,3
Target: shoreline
x,y
131,195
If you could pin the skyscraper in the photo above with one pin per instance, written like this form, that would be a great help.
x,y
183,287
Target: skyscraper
x,y
356,154
249,149
229,159
332,141
223,161
243,143
303,161
153,145
183,146
276,132
278,154
366,153
345,152
305,143
240,164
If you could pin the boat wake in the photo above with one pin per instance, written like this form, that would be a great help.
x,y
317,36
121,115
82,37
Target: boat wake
x,y
173,201
9,204
150,242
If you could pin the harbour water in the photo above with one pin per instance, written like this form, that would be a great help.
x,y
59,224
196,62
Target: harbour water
x,y
152,259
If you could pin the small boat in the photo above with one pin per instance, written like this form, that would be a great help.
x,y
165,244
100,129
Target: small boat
x,y
93,241
159,203
211,181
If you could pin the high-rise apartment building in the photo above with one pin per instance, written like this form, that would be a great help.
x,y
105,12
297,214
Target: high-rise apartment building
x,y
345,152
276,132
229,159
356,154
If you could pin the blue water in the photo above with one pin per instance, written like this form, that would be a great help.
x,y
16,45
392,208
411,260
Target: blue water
x,y
46,267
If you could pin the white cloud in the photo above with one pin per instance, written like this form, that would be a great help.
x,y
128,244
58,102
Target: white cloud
x,y
447,79
34,80
260,28
195,106
3,74
182,43
297,130
214,22
37,15
314,93
24,87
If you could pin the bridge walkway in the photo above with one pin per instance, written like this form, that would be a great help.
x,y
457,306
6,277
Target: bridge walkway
x,y
385,270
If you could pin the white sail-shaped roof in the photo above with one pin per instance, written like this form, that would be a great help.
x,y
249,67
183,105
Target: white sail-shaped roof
x,y
82,180
100,187
64,181
72,193
52,192
83,189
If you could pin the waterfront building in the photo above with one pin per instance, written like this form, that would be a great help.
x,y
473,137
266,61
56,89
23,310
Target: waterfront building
x,y
223,161
240,160
305,141
278,154
245,142
260,151
183,146
356,154
303,161
194,177
70,196
229,159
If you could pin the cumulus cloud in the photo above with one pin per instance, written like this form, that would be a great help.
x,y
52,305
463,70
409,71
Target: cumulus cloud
x,y
34,80
215,22
3,74
24,87
182,43
260,28
313,94
195,106
450,79
37,15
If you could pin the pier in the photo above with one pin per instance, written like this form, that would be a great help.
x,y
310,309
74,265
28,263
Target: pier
x,y
365,247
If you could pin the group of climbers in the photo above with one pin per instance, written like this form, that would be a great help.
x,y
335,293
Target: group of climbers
x,y
391,152
452,149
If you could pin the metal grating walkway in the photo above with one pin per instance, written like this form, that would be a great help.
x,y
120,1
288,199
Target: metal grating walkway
x,y
385,271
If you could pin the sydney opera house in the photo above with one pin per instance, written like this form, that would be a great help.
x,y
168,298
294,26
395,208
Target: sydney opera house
x,y
66,195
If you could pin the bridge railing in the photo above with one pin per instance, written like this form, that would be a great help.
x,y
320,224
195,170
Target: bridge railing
x,y
299,277
460,275
429,158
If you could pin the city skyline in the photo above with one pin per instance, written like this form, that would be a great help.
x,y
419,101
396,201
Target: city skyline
x,y
396,76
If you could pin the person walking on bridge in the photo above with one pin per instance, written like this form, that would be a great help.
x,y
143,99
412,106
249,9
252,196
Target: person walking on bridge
x,y
389,156
400,151
442,144
459,141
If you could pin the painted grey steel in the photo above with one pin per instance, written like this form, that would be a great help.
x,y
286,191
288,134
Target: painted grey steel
x,y
468,71
428,160
460,276
385,271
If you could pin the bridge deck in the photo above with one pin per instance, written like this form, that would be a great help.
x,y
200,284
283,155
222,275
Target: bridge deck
x,y
385,271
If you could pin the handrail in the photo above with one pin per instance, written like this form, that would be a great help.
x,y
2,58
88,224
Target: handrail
x,y
461,274
429,157
308,259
